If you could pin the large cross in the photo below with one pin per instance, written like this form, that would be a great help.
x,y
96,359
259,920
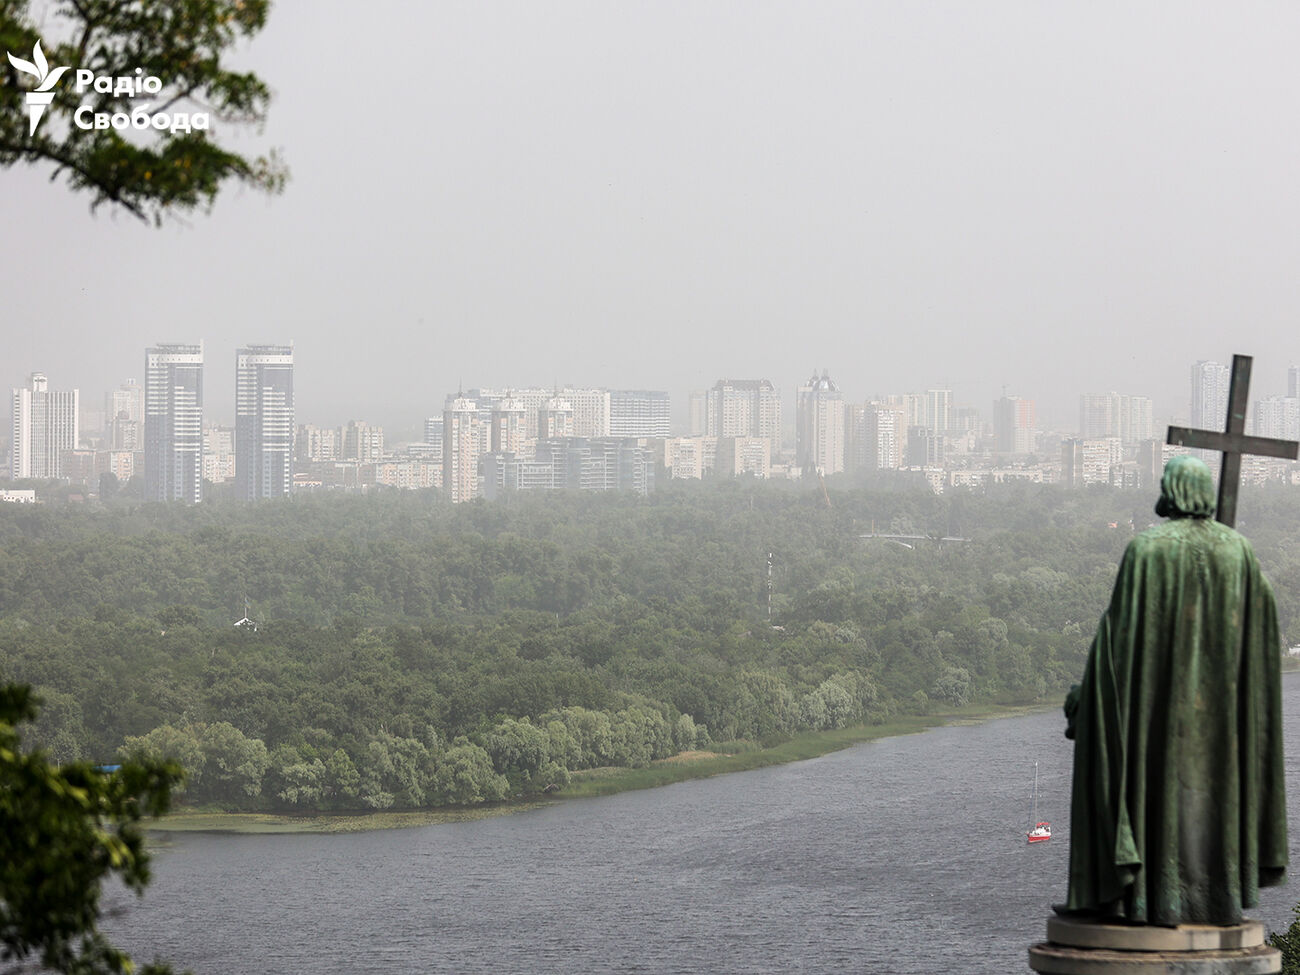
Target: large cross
x,y
1233,442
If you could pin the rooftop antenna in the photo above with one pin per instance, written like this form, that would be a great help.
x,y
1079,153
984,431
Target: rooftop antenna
x,y
247,621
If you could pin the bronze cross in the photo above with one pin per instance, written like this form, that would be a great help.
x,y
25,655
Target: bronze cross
x,y
1234,442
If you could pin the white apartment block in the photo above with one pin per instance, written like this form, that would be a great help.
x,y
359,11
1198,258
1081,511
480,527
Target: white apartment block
x,y
1209,406
744,408
45,423
219,458
1115,415
639,413
1278,417
688,457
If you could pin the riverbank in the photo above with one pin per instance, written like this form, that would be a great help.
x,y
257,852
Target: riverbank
x,y
589,783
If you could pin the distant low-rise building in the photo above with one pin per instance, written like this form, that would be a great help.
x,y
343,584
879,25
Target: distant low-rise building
x,y
219,454
687,457
1090,461
735,456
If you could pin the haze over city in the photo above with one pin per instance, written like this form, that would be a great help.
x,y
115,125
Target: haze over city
x,y
656,196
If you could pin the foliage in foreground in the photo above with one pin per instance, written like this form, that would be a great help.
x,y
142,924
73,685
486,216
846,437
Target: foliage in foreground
x,y
1288,942
185,44
63,832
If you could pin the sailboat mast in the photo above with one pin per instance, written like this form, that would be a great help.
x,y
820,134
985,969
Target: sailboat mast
x,y
1035,792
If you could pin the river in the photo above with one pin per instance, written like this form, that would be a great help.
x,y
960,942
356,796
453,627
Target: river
x,y
905,855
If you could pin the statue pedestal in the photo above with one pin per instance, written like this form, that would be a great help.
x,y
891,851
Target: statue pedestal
x,y
1075,947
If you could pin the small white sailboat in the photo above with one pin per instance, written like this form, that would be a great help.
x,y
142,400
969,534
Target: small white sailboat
x,y
1041,832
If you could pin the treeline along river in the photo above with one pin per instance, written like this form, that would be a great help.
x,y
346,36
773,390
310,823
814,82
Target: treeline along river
x,y
902,855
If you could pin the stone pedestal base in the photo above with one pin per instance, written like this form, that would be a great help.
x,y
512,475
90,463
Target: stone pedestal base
x,y
1076,947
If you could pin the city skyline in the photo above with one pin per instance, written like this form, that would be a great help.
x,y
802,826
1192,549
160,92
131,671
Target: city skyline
x,y
1277,378
653,199
932,405
490,440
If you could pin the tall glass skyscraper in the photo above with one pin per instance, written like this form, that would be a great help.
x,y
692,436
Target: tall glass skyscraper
x,y
173,423
264,421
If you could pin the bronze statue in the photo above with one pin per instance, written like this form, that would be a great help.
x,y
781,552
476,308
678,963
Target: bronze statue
x,y
1178,811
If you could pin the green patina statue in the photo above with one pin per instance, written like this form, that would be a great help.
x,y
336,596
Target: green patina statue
x,y
1178,812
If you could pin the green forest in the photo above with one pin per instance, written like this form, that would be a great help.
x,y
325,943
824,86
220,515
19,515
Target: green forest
x,y
410,653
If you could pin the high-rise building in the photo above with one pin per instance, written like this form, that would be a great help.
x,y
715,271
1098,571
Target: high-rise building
x,y
173,423
1096,418
875,437
1090,461
688,457
124,409
966,419
590,411
45,424
925,447
465,438
697,414
361,442
1209,395
855,438
819,426
509,427
913,407
1115,415
1277,417
1293,382
433,440
638,413
1136,419
938,410
555,419
264,421
575,464
219,458
317,444
744,408
743,455
1013,425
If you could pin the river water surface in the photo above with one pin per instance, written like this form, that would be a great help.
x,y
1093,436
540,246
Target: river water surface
x,y
905,855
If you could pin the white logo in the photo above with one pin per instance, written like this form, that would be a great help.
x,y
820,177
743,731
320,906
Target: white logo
x,y
38,100
124,86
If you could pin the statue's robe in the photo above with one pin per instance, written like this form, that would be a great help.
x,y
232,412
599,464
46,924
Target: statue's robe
x,y
1178,812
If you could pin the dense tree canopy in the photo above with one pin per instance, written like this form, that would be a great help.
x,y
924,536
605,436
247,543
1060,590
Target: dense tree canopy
x,y
412,652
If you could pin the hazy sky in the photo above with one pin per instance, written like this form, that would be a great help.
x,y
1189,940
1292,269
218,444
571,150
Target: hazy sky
x,y
1058,198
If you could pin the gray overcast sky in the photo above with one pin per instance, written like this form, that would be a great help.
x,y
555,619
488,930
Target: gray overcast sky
x,y
1055,197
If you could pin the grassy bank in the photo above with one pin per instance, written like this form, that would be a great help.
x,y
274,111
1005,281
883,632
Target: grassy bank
x,y
587,783
197,821
608,781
